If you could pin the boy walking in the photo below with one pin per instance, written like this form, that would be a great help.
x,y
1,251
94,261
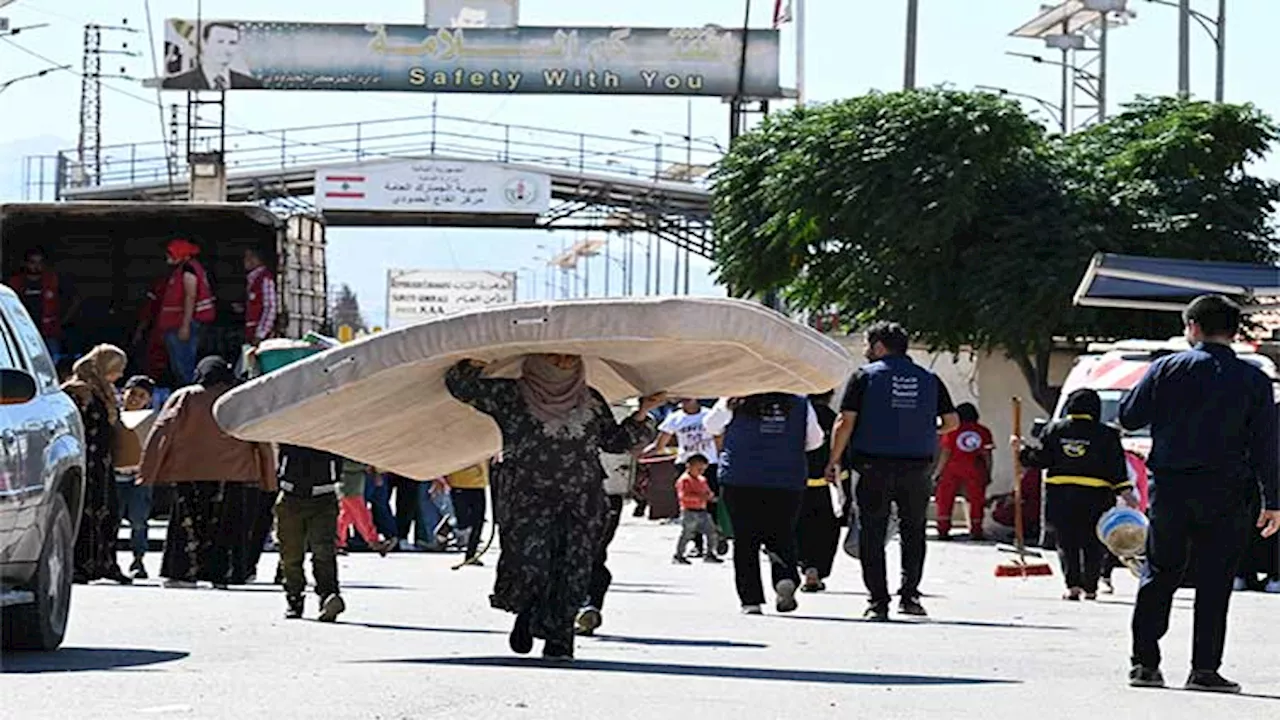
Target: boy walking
x,y
466,488
133,501
307,516
695,521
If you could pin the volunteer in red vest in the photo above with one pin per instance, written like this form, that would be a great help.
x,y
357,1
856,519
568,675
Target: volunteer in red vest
x,y
49,299
185,306
261,301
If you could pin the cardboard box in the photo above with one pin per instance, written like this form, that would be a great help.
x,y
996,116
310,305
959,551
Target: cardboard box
x,y
131,437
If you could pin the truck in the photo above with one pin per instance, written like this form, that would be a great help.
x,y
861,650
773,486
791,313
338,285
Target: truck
x,y
113,252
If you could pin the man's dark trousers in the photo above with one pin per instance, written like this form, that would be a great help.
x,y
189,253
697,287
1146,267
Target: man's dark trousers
x,y
905,483
302,523
1209,520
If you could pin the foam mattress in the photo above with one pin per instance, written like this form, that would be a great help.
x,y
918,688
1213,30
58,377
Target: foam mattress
x,y
382,399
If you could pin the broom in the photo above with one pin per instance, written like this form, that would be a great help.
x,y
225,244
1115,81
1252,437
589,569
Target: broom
x,y
1020,567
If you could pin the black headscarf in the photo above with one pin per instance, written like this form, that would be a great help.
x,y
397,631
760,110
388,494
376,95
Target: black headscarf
x,y
1085,402
213,371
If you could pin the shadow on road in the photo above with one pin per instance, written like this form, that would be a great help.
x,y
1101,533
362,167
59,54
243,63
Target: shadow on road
x,y
418,628
933,622
70,659
675,642
709,671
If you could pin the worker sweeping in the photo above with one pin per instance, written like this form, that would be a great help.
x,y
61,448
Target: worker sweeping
x,y
1085,469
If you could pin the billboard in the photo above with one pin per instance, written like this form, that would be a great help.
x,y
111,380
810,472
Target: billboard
x,y
250,55
433,186
472,13
415,296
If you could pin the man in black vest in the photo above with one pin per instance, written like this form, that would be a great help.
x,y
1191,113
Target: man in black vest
x,y
890,411
1214,440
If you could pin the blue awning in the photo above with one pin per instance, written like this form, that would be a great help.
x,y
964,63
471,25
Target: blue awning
x,y
1145,283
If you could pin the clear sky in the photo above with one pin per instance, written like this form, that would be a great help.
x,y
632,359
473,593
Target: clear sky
x,y
853,46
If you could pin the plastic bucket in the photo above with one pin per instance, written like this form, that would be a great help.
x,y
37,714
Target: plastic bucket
x,y
271,360
1124,531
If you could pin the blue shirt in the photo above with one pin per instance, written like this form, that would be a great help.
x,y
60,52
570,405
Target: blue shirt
x,y
1213,422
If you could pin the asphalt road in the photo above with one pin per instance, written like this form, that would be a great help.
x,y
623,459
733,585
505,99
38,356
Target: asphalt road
x,y
419,641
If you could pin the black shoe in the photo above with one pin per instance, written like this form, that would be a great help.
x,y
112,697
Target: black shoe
x,y
294,609
710,558
876,613
557,652
138,569
1211,681
1145,677
911,606
116,576
331,607
722,546
521,639
680,560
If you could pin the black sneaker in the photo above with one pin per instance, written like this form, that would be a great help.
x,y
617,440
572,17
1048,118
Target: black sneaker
x,y
521,639
877,613
557,652
680,560
710,558
911,606
331,607
1211,681
294,609
138,569
1145,677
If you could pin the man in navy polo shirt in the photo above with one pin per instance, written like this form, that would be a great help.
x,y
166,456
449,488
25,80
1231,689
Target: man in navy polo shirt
x,y
890,413
1214,442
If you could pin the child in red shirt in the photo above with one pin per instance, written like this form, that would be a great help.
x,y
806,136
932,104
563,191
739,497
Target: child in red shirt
x,y
965,465
695,520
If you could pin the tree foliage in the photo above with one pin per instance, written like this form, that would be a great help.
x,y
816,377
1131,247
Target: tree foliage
x,y
346,310
959,216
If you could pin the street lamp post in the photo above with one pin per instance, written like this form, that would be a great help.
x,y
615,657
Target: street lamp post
x,y
1217,31
1056,112
1184,49
913,27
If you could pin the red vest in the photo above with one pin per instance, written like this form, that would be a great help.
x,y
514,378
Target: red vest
x,y
50,319
170,314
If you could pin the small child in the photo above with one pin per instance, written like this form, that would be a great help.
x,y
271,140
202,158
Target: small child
x,y
467,489
353,510
133,501
307,516
695,520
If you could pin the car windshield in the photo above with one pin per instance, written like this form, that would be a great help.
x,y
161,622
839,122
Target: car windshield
x,y
1111,412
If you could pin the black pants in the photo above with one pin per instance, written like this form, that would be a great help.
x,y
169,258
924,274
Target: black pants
x,y
601,578
818,532
762,517
1210,521
1073,511
308,524
904,483
468,507
261,529
407,507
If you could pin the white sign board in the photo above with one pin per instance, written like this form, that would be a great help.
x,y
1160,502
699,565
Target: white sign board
x,y
415,296
433,186
472,13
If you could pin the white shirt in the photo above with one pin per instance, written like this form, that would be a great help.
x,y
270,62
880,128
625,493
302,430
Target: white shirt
x,y
691,436
719,417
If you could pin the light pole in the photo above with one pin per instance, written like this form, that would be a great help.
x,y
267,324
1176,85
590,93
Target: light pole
x,y
1056,112
913,27
1098,90
1217,30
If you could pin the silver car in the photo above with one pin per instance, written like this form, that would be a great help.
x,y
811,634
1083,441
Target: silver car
x,y
42,468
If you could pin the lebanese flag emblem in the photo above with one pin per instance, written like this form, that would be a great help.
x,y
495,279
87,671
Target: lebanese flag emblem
x,y
349,187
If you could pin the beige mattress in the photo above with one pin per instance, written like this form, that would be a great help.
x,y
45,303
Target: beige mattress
x,y
382,399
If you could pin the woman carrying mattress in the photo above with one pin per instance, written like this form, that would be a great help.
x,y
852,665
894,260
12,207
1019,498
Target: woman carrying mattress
x,y
548,499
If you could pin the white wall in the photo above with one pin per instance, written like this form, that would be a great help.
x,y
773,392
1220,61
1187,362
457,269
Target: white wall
x,y
999,381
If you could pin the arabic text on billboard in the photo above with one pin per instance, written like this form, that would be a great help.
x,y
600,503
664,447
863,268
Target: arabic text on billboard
x,y
433,186
245,55
415,296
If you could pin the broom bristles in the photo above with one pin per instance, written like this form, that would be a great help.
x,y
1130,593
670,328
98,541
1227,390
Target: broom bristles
x,y
1023,570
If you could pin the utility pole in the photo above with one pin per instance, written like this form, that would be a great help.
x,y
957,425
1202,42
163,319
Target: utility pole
x,y
89,146
913,26
1220,74
1184,49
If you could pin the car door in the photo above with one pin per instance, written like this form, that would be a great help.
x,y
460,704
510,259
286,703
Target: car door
x,y
36,427
12,487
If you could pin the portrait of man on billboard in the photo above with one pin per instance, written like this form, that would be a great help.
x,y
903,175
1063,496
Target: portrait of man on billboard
x,y
219,53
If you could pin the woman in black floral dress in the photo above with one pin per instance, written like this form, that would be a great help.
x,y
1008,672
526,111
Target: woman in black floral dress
x,y
548,498
92,386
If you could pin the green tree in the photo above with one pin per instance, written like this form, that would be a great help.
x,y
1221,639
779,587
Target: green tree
x,y
957,215
346,310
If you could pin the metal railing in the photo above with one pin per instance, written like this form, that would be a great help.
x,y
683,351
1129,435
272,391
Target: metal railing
x,y
265,152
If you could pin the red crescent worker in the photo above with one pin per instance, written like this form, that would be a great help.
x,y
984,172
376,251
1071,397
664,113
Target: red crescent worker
x,y
965,465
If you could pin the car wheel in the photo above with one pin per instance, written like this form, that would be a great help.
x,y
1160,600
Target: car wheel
x,y
42,624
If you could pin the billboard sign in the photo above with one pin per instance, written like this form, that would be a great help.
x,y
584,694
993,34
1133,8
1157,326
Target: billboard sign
x,y
433,186
472,13
415,296
249,55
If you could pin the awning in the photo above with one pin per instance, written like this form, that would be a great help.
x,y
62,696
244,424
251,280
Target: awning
x,y
1145,283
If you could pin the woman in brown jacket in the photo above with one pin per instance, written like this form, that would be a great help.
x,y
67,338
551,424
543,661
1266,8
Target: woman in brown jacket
x,y
217,481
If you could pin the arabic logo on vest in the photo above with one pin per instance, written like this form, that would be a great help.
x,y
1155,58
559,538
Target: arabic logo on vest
x,y
1074,450
521,191
969,441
